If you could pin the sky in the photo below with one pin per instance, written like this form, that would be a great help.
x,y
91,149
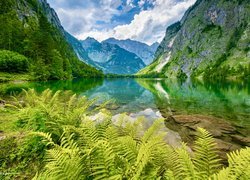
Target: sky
x,y
142,20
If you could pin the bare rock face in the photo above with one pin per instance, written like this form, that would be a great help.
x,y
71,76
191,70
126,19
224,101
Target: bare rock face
x,y
51,14
208,38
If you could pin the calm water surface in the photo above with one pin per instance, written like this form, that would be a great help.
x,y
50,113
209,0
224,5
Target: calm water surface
x,y
230,101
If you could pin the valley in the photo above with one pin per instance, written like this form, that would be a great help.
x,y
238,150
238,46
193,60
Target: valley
x,y
124,89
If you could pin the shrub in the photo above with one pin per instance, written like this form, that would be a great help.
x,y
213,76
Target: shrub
x,y
13,62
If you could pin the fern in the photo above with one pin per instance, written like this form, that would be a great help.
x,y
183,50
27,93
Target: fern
x,y
49,112
99,151
63,159
206,159
183,166
239,166
82,148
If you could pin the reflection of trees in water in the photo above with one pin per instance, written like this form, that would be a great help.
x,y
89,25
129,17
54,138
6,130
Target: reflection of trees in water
x,y
76,85
225,101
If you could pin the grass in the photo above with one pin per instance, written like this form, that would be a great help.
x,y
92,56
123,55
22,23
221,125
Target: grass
x,y
7,121
21,154
16,77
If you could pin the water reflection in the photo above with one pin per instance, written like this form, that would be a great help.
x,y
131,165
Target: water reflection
x,y
227,101
230,101
126,93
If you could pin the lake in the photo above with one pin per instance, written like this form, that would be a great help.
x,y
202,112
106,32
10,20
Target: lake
x,y
224,102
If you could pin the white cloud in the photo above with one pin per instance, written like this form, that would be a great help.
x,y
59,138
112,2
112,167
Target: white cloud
x,y
85,18
148,26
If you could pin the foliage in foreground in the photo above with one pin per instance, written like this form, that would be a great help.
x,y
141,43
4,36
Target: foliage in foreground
x,y
79,147
20,157
108,151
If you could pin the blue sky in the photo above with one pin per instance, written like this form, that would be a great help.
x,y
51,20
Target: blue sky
x,y
141,20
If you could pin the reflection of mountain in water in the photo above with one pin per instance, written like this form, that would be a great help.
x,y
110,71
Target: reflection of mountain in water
x,y
229,101
226,101
126,93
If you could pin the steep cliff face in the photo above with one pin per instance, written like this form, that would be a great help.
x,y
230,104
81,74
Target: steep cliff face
x,y
211,41
51,14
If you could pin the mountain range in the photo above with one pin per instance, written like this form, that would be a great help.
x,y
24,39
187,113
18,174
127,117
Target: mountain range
x,y
114,56
111,58
142,50
210,42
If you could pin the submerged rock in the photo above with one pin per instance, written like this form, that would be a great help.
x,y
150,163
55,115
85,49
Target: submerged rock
x,y
245,141
113,107
227,137
217,127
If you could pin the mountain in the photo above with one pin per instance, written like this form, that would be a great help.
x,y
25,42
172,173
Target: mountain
x,y
142,50
211,42
111,58
31,29
79,50
154,46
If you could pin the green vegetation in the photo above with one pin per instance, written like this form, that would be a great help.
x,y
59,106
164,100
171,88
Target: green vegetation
x,y
212,43
43,50
77,147
5,77
13,62
20,154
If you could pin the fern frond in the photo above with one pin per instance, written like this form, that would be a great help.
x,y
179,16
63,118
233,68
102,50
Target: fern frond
x,y
169,175
65,161
46,137
127,148
239,166
151,132
64,164
146,154
182,165
206,159
102,161
55,98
